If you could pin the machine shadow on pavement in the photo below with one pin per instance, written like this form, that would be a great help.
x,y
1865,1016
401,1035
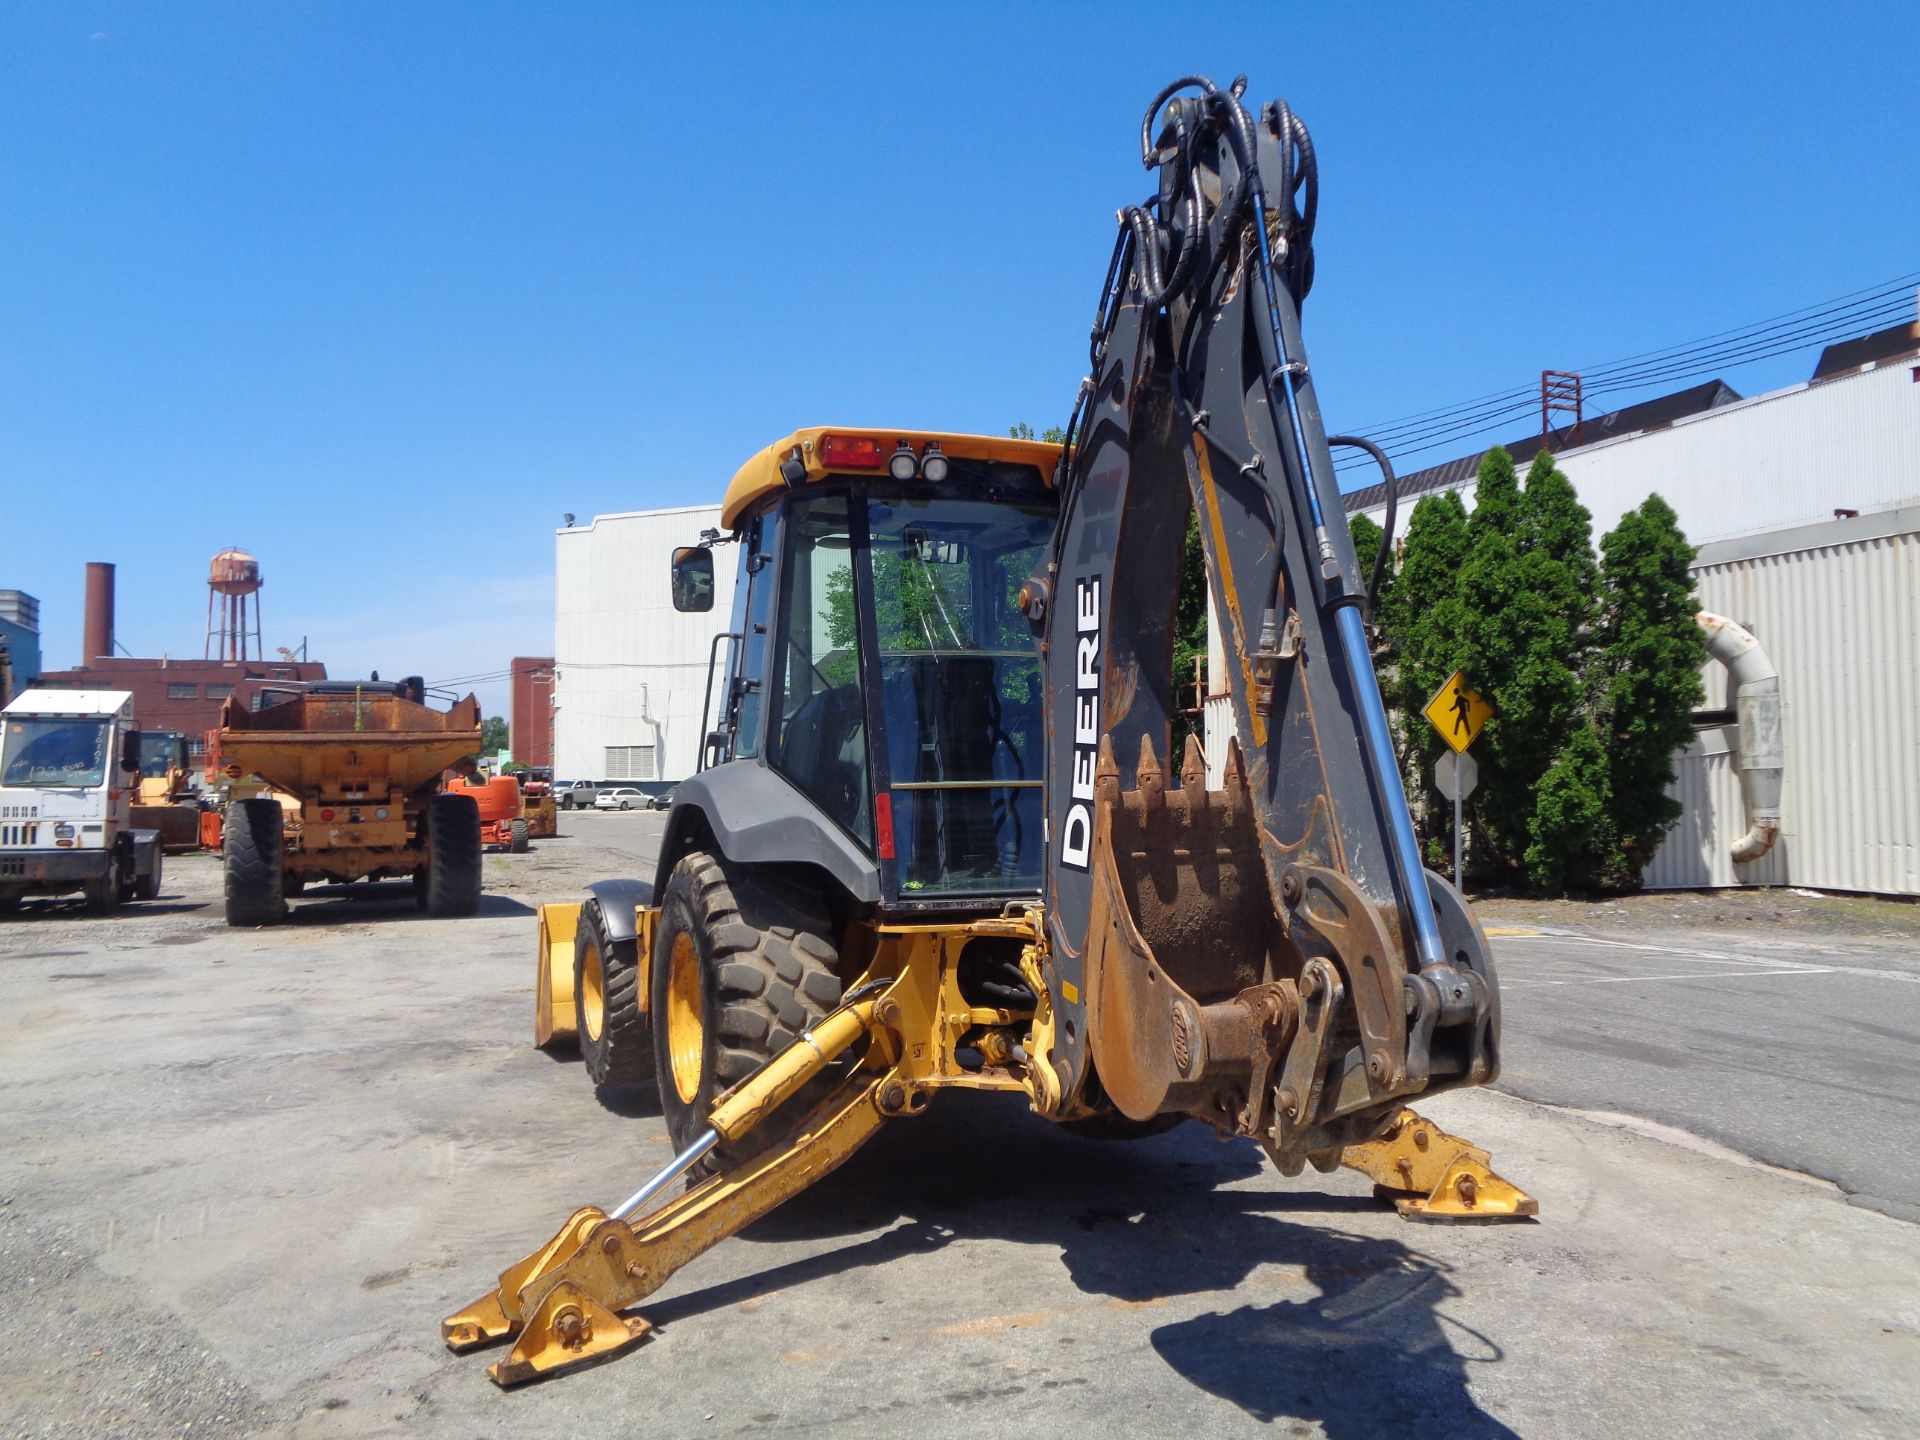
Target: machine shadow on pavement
x,y
1369,1354
381,900
67,910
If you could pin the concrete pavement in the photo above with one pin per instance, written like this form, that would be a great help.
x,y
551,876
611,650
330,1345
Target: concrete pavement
x,y
244,1174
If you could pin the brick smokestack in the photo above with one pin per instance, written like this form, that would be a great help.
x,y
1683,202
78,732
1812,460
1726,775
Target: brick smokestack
x,y
96,641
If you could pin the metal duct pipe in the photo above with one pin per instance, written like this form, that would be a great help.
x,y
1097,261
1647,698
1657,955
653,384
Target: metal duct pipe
x,y
96,637
1762,752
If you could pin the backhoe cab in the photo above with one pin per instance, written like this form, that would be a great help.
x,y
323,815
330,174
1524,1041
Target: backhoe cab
x,y
939,839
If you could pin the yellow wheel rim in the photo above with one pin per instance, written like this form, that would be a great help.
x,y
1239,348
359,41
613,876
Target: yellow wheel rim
x,y
686,1026
593,993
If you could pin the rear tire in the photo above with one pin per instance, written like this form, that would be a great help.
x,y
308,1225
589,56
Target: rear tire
x,y
614,1041
453,855
251,845
518,843
147,887
742,964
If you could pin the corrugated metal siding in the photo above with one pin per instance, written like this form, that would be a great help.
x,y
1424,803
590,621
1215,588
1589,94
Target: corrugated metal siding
x,y
1787,458
1842,625
629,669
1697,852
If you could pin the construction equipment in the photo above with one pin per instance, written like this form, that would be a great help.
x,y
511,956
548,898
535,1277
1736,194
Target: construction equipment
x,y
503,822
541,811
944,857
166,800
68,760
361,763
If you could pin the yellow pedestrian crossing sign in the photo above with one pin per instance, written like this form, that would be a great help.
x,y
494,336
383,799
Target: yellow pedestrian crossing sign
x,y
1458,712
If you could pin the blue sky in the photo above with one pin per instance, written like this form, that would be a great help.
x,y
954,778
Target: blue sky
x,y
379,291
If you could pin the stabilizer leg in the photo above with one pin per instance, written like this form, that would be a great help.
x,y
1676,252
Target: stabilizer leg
x,y
1431,1175
561,1304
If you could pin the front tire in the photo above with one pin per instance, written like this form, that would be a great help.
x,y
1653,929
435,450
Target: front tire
x,y
251,846
104,893
517,842
147,887
742,965
614,1041
453,855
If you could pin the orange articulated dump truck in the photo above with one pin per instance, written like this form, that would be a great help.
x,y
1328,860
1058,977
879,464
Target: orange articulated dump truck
x,y
362,763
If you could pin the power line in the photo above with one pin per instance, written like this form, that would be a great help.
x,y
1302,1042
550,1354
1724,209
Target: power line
x,y
1842,317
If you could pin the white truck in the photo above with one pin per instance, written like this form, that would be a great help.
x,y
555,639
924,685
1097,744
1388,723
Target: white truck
x,y
69,772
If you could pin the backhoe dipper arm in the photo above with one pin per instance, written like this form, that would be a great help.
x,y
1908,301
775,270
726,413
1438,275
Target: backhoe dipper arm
x,y
1200,400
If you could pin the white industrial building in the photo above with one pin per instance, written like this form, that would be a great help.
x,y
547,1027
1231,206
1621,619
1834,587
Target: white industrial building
x,y
630,671
1805,506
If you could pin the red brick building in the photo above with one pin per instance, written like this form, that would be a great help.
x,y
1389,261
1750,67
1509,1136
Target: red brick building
x,y
531,723
182,695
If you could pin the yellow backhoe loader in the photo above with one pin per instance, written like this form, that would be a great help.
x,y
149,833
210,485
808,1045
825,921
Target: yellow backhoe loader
x,y
939,839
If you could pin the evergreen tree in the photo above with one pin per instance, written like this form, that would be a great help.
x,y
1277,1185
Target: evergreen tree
x,y
1190,614
1526,624
1421,624
1559,524
1572,837
1496,496
1651,651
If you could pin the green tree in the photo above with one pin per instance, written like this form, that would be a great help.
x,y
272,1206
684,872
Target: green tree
x,y
1053,434
1526,625
493,735
1422,623
1650,654
1572,841
1190,614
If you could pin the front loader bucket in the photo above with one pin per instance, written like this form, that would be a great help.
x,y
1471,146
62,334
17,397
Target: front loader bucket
x,y
555,1020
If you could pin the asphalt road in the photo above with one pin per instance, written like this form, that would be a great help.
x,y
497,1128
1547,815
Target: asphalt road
x,y
1800,1053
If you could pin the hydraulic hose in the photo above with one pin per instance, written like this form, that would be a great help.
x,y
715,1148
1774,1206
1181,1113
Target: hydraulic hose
x,y
1359,442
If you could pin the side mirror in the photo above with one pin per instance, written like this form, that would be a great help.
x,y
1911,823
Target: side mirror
x,y
693,579
130,750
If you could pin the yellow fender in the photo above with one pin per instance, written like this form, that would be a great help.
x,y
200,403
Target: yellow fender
x,y
553,1008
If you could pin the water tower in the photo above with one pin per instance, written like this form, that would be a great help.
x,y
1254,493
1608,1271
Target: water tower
x,y
233,607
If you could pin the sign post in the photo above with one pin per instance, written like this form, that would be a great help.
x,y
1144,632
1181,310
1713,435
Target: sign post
x,y
1459,713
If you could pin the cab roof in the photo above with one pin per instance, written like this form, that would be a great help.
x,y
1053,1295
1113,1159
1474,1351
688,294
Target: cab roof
x,y
69,702
761,476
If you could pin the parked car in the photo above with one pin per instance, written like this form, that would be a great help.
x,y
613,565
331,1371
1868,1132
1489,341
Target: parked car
x,y
576,794
624,797
664,800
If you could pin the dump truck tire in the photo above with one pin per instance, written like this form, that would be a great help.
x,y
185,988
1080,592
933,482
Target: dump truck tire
x,y
251,846
612,1031
752,957
518,843
453,855
147,887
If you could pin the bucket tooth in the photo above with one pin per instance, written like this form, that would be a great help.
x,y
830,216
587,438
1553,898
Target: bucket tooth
x,y
1431,1175
1151,780
1106,774
1233,780
1193,784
